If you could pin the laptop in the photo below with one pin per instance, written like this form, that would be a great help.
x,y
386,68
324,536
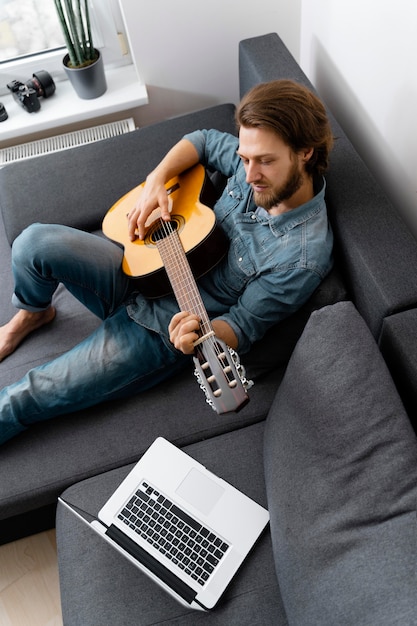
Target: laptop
x,y
186,528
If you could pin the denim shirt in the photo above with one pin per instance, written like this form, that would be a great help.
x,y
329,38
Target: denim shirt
x,y
273,265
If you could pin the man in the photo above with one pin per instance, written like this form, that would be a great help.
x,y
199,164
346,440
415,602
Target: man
x,y
273,212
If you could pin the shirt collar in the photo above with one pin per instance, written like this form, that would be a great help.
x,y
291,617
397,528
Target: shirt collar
x,y
281,224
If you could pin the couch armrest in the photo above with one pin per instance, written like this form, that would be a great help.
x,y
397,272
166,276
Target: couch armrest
x,y
76,187
398,344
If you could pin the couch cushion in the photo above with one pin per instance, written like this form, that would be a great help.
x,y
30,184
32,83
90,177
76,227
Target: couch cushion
x,y
341,476
38,464
99,586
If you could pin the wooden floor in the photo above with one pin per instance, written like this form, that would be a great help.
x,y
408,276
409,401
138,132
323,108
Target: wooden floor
x,y
29,586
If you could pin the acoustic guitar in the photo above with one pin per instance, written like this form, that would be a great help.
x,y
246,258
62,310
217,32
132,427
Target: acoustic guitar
x,y
170,256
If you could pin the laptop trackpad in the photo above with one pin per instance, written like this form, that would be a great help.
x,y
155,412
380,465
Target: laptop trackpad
x,y
200,491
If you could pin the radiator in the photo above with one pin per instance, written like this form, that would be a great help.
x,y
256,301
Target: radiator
x,y
65,141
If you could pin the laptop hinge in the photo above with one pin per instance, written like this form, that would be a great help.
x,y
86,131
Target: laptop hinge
x,y
148,561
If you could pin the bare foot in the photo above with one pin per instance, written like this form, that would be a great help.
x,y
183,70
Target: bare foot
x,y
21,325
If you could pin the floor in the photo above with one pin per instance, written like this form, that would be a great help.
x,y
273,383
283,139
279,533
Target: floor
x,y
29,585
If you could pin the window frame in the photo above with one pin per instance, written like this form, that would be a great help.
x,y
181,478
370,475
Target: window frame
x,y
107,16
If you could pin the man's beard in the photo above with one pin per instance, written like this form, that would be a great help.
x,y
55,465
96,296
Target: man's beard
x,y
268,200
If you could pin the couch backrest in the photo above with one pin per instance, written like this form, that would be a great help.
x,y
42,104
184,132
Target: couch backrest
x,y
376,251
76,187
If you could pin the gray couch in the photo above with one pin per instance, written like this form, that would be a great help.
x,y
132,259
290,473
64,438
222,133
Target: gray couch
x,y
326,442
38,465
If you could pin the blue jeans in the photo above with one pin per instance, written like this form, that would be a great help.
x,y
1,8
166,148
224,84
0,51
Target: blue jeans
x,y
119,359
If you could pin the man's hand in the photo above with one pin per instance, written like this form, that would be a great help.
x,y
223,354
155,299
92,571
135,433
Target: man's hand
x,y
153,196
183,331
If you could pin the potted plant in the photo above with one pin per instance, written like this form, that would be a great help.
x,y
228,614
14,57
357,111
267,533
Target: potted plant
x,y
83,63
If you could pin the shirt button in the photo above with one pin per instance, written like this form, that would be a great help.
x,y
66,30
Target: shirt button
x,y
253,217
240,259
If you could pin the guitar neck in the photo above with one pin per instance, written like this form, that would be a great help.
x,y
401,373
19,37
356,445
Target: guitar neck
x,y
216,368
181,277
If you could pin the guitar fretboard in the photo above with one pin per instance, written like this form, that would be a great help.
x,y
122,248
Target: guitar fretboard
x,y
180,275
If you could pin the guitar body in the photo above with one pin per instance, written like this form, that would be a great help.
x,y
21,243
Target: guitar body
x,y
202,239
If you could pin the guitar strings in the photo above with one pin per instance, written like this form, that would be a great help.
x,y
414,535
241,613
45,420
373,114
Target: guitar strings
x,y
185,286
183,282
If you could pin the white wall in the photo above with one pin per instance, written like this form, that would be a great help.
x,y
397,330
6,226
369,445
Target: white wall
x,y
361,55
187,51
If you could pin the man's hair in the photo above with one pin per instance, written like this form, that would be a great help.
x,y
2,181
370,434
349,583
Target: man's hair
x,y
295,114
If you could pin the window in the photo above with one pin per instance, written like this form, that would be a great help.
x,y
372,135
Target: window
x,y
18,36
24,49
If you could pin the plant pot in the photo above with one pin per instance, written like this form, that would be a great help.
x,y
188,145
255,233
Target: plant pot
x,y
88,82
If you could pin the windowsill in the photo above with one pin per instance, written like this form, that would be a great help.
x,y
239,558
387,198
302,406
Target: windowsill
x,y
124,91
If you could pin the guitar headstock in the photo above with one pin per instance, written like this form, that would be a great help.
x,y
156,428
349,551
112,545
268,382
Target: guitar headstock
x,y
221,376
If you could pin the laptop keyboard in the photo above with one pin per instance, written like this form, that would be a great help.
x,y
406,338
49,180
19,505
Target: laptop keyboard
x,y
182,539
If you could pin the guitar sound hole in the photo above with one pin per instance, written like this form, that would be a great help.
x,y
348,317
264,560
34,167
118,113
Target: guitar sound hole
x,y
161,230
